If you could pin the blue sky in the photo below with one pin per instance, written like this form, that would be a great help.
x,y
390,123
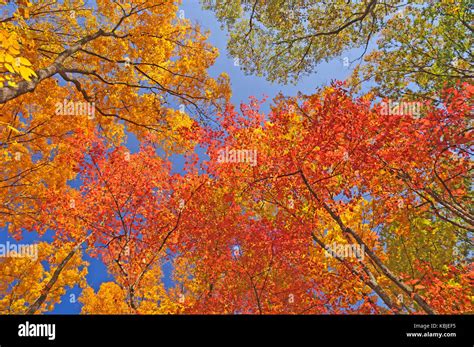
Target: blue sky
x,y
243,86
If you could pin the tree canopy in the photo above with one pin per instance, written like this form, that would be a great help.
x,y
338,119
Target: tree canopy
x,y
337,201
414,47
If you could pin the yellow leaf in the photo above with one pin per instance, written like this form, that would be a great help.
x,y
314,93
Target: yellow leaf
x,y
24,61
26,73
8,58
13,129
9,68
13,50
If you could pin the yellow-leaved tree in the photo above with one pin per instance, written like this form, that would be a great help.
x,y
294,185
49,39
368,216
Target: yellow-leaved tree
x,y
70,70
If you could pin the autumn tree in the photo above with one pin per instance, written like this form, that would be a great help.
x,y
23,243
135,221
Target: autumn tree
x,y
147,78
128,212
27,283
71,69
331,171
422,50
421,46
327,204
336,170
